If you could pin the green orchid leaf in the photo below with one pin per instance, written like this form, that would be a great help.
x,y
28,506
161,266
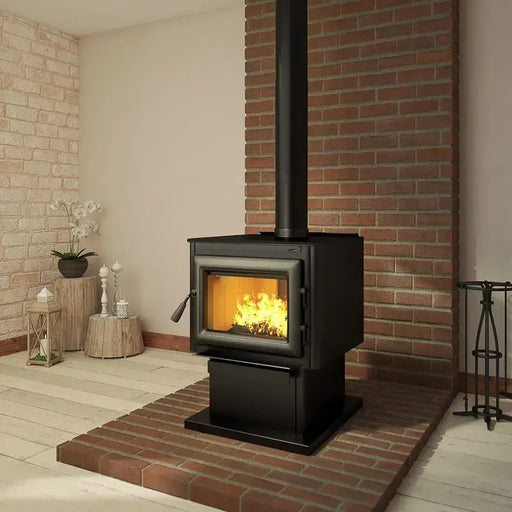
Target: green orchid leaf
x,y
64,255
72,255
87,254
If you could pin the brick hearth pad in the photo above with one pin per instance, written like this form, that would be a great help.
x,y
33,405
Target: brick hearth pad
x,y
358,470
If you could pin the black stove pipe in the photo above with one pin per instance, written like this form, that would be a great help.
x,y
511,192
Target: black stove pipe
x,y
291,119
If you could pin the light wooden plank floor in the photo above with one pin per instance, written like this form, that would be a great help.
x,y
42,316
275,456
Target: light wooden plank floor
x,y
43,407
463,468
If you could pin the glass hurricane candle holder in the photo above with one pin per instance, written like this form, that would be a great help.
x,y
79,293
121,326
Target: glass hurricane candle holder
x,y
122,309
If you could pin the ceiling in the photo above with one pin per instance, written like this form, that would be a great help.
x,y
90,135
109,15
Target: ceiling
x,y
84,17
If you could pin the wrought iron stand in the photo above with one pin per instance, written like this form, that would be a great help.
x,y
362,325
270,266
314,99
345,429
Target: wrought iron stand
x,y
487,410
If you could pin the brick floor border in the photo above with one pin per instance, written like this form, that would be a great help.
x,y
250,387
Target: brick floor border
x,y
357,470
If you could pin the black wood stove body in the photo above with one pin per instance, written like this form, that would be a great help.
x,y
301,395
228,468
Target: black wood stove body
x,y
281,388
277,312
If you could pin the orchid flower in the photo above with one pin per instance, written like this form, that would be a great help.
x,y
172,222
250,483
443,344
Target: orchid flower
x,y
77,227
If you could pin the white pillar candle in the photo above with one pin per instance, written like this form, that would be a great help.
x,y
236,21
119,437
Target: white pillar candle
x,y
44,346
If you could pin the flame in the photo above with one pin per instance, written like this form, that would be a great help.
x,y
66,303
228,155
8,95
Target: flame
x,y
262,314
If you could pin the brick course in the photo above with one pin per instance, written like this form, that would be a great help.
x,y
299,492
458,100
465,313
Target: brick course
x,y
358,469
383,145
38,158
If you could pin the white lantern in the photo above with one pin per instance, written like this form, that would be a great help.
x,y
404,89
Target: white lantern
x,y
45,295
44,334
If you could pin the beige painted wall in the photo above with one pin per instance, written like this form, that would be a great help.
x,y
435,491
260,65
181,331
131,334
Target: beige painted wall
x,y
486,148
162,148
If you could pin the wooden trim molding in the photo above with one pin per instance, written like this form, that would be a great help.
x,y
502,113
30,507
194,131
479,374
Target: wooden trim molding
x,y
13,345
166,341
151,339
471,384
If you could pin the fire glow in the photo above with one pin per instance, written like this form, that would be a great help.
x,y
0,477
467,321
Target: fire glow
x,y
262,314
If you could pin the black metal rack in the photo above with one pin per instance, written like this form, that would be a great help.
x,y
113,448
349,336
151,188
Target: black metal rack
x,y
486,321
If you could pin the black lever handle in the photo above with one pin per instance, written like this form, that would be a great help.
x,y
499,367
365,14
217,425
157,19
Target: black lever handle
x,y
175,317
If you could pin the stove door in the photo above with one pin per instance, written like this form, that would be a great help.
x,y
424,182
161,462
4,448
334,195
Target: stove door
x,y
251,304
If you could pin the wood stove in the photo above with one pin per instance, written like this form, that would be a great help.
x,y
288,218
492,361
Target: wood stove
x,y
276,312
276,319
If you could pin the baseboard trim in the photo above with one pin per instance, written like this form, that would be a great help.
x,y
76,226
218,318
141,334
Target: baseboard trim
x,y
166,341
151,339
13,345
492,380
182,344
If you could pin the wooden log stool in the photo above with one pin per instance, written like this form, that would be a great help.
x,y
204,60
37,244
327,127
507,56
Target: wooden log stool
x,y
80,299
109,336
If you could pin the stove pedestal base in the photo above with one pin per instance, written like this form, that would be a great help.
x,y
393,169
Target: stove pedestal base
x,y
293,409
296,443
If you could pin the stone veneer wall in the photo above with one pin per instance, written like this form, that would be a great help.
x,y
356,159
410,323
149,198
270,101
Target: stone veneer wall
x,y
38,157
383,162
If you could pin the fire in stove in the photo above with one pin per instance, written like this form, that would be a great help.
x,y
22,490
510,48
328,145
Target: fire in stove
x,y
246,305
261,314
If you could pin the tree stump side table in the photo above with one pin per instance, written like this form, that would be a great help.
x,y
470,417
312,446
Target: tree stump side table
x,y
80,299
113,337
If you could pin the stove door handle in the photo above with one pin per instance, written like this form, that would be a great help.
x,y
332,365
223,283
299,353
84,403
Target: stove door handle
x,y
304,295
175,317
304,335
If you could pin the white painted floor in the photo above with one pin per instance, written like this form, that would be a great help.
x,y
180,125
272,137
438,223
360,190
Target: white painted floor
x,y
464,467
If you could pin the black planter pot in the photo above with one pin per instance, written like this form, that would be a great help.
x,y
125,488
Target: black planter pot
x,y
73,268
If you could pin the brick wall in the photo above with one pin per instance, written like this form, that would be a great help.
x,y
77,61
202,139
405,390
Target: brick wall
x,y
38,157
383,155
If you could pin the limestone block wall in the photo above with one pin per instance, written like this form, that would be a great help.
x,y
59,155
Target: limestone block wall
x,y
38,158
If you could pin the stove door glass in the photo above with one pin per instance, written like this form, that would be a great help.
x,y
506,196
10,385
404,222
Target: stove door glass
x,y
251,306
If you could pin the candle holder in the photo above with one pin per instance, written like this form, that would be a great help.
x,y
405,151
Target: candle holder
x,y
116,270
104,297
122,309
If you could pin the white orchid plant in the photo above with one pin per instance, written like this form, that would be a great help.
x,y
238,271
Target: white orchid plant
x,y
78,226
